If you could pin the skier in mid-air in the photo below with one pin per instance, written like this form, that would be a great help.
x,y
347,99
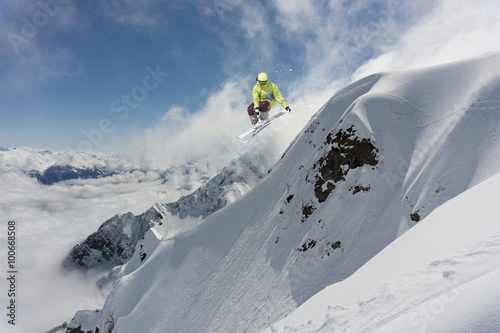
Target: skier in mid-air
x,y
265,94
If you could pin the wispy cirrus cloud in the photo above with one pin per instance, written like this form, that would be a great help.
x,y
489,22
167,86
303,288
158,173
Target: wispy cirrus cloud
x,y
454,30
39,39
336,37
30,53
135,13
324,40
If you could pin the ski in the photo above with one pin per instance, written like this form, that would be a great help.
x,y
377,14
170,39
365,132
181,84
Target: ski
x,y
254,131
245,134
258,130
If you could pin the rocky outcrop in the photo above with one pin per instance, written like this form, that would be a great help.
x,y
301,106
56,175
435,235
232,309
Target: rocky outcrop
x,y
113,243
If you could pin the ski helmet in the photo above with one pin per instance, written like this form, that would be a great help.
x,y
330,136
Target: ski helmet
x,y
262,77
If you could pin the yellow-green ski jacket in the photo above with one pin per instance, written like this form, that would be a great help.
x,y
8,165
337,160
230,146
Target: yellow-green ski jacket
x,y
268,92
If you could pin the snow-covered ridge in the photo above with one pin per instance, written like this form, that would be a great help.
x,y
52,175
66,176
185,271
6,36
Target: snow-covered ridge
x,y
50,167
237,178
117,238
378,158
25,159
81,168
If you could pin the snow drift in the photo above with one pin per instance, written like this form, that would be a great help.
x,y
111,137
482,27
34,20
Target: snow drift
x,y
377,159
441,276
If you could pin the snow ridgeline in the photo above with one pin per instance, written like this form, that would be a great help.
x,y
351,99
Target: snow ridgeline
x,y
377,159
26,160
116,240
50,167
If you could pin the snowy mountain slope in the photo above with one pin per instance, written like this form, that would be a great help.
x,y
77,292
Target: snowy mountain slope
x,y
443,275
116,240
237,178
381,155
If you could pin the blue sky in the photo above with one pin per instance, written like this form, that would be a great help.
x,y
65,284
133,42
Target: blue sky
x,y
107,75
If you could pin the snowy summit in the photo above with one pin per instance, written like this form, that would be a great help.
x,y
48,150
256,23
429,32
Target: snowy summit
x,y
380,216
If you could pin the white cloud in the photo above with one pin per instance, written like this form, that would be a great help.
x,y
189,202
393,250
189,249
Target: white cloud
x,y
298,16
136,13
253,22
210,132
333,38
50,220
455,30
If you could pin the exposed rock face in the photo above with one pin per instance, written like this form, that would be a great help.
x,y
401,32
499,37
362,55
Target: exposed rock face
x,y
114,242
347,152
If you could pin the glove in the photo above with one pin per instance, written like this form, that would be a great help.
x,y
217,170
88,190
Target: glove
x,y
288,109
257,111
